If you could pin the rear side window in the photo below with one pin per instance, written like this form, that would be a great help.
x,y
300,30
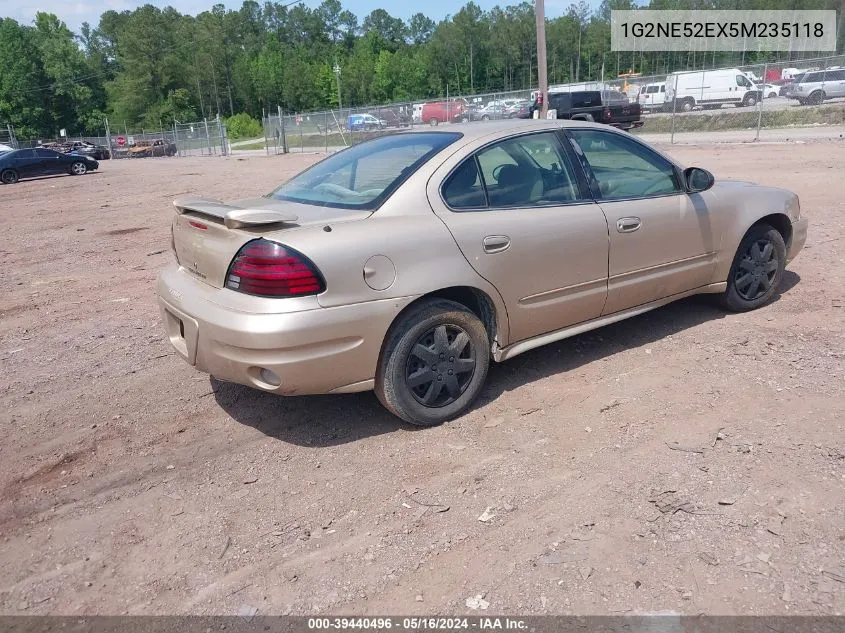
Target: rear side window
x,y
463,189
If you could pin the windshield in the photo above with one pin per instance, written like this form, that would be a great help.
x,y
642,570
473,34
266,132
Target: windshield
x,y
363,176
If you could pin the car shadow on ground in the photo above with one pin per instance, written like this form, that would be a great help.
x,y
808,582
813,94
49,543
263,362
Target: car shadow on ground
x,y
323,421
53,176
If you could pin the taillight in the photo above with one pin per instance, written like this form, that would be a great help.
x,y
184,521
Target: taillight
x,y
173,243
608,114
268,269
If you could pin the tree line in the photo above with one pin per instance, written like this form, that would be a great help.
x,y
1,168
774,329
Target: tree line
x,y
151,66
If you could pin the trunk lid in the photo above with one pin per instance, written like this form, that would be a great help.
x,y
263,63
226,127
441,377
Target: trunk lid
x,y
207,234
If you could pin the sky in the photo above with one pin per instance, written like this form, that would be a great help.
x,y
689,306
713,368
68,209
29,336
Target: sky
x,y
75,12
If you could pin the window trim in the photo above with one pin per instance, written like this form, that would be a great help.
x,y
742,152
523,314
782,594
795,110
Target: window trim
x,y
591,177
582,189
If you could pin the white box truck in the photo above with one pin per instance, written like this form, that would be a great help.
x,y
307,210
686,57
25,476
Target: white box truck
x,y
710,89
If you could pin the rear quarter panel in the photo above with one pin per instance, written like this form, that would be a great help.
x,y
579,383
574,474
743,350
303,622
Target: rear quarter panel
x,y
407,232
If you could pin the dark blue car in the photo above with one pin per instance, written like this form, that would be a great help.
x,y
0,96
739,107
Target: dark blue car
x,y
26,163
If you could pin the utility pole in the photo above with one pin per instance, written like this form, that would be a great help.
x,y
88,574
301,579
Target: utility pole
x,y
542,69
337,75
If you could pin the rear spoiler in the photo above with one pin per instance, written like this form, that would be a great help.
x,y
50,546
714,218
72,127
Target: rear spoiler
x,y
233,217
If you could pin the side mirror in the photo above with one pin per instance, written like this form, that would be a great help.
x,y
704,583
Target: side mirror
x,y
698,179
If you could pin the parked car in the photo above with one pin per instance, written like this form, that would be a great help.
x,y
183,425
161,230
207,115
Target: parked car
x,y
518,110
392,118
652,96
602,106
97,152
382,267
769,90
490,111
5,148
28,163
788,88
815,87
157,147
523,110
364,122
710,89
416,115
436,112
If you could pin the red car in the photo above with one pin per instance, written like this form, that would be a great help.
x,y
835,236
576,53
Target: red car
x,y
442,111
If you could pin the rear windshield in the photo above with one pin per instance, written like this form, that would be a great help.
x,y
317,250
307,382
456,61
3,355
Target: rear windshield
x,y
364,176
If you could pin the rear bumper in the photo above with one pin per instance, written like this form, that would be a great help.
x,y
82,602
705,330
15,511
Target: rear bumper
x,y
629,125
799,238
312,351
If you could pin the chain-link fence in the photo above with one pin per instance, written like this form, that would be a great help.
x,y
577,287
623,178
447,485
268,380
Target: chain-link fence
x,y
740,103
201,138
7,136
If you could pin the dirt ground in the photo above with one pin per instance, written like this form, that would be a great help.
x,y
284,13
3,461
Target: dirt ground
x,y
687,460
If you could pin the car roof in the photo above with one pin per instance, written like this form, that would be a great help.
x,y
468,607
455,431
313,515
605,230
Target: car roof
x,y
471,131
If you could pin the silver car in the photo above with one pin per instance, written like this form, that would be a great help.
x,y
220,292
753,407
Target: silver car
x,y
407,263
819,85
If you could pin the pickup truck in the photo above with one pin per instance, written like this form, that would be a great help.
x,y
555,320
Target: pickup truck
x,y
608,106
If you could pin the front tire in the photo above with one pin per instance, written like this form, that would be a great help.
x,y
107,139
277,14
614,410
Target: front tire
x,y
757,269
78,168
433,364
9,177
750,101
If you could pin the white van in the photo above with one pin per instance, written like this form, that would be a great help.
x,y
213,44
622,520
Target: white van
x,y
652,96
711,89
417,114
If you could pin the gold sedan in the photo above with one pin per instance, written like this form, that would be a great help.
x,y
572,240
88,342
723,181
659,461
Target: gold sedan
x,y
408,262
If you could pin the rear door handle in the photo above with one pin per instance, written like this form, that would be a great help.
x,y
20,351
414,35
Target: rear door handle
x,y
628,225
496,243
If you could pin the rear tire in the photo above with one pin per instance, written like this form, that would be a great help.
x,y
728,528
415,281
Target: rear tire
x,y
757,269
9,177
433,364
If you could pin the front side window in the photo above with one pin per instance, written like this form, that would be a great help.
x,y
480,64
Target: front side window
x,y
624,168
364,175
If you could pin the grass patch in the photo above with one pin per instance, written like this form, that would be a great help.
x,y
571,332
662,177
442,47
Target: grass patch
x,y
248,146
746,119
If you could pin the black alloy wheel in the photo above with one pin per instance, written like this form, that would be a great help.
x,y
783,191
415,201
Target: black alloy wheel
x,y
440,366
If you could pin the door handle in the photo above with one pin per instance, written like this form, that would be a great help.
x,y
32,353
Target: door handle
x,y
628,225
496,243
